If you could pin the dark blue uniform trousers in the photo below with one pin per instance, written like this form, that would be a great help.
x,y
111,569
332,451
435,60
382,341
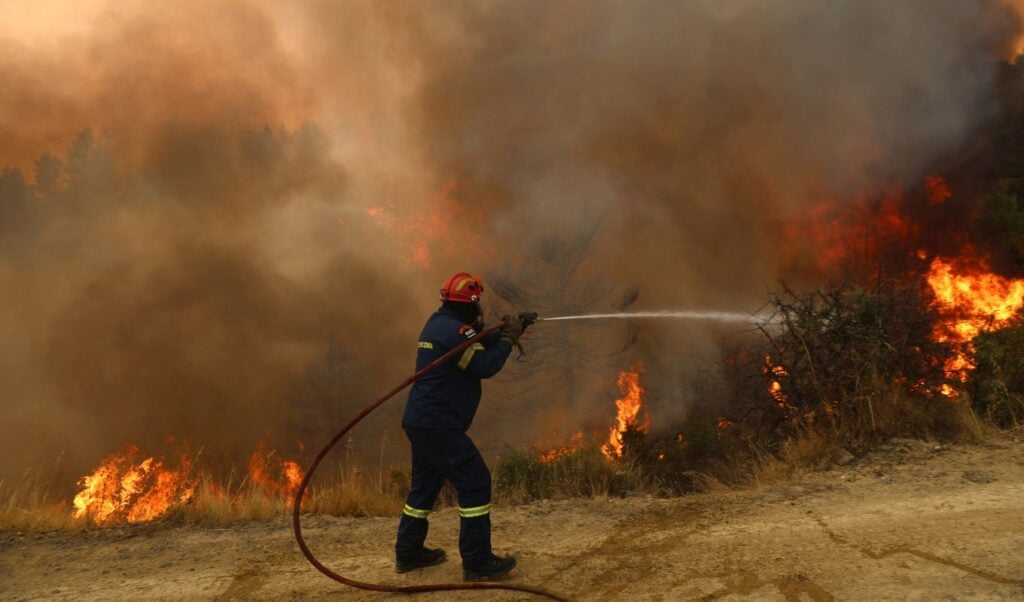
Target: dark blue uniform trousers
x,y
437,455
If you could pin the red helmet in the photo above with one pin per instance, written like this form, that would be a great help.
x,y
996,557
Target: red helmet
x,y
463,288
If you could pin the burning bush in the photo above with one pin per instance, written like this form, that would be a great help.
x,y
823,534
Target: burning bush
x,y
631,420
122,489
131,487
832,355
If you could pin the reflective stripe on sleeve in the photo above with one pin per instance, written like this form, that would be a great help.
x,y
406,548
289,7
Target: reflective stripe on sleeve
x,y
475,511
414,512
467,355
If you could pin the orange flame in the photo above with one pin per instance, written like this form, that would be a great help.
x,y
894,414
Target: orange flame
x,y
1016,49
831,232
776,372
292,475
629,407
439,223
574,445
125,489
273,476
970,299
170,487
938,190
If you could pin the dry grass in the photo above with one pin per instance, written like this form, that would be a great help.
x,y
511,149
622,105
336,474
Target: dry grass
x,y
348,491
27,512
30,505
344,490
210,506
896,413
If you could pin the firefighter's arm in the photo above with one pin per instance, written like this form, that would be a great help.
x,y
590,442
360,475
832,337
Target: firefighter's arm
x,y
484,361
491,338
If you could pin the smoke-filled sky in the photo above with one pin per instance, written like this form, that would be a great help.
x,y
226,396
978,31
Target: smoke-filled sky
x,y
210,194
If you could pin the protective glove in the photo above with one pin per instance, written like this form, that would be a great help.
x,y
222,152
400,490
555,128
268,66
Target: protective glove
x,y
528,318
512,328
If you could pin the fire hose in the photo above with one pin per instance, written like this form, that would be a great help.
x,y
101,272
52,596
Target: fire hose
x,y
404,589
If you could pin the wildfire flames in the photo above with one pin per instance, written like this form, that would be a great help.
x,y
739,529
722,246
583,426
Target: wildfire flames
x,y
968,296
262,468
774,373
124,488
425,228
629,407
574,445
938,190
971,300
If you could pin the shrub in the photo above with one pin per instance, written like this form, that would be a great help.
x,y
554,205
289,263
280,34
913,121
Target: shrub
x,y
520,475
997,383
833,358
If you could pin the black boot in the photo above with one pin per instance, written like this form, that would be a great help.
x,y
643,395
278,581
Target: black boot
x,y
425,557
495,568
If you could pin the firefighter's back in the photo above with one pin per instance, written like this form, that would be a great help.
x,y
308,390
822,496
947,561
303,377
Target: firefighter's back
x,y
448,396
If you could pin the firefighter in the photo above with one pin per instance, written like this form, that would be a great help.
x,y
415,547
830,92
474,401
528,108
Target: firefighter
x,y
439,411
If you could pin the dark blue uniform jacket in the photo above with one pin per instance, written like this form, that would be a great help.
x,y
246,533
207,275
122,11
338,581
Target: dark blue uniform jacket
x,y
448,396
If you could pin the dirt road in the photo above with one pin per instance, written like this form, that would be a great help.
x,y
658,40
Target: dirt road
x,y
912,521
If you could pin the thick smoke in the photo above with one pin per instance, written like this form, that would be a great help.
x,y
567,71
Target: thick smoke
x,y
267,193
183,232
698,128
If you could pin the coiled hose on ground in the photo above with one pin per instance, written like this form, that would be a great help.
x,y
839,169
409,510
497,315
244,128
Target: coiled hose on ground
x,y
404,589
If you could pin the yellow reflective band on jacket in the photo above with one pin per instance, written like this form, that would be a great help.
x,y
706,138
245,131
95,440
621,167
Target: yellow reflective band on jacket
x,y
475,511
425,345
467,355
415,512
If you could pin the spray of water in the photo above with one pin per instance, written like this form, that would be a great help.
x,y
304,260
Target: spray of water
x,y
719,316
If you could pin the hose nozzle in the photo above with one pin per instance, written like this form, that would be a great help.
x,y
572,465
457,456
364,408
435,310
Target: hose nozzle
x,y
528,318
